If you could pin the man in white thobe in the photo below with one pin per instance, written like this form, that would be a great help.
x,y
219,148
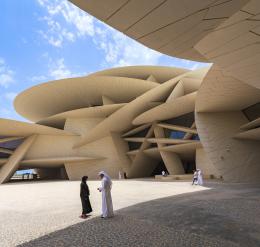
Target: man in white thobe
x,y
195,178
200,179
107,205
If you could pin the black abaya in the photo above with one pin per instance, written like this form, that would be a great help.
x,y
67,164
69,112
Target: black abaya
x,y
84,196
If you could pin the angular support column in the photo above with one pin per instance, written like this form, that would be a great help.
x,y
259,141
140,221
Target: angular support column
x,y
143,165
121,149
171,160
12,164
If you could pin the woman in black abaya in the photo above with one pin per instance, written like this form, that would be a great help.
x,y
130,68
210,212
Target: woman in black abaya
x,y
84,196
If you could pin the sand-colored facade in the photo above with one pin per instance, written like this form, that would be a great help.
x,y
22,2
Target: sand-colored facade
x,y
142,119
109,121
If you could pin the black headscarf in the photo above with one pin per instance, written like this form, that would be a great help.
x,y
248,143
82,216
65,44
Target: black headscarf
x,y
84,179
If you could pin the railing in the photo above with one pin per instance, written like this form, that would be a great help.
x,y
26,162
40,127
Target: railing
x,y
25,176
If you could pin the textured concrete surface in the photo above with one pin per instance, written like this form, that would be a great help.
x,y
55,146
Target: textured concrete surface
x,y
224,215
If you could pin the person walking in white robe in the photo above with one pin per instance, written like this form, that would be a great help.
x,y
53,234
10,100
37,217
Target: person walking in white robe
x,y
195,178
200,179
107,205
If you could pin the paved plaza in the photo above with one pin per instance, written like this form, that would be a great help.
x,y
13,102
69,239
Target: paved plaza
x,y
148,213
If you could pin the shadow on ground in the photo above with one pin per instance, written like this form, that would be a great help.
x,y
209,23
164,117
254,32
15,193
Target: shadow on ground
x,y
226,215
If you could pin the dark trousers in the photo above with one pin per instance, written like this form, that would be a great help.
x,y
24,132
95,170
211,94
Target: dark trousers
x,y
86,206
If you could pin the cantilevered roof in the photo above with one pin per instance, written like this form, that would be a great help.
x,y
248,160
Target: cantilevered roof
x,y
16,128
126,114
168,110
58,120
172,27
47,99
221,92
155,73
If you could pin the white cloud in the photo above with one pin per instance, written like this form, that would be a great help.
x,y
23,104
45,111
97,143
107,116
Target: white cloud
x,y
6,75
38,78
119,49
122,51
58,70
79,23
9,113
10,95
54,33
83,22
66,22
6,113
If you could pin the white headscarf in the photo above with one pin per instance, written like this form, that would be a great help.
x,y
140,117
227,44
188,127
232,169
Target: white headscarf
x,y
106,176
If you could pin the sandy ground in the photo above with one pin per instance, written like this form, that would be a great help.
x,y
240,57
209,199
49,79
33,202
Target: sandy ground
x,y
31,210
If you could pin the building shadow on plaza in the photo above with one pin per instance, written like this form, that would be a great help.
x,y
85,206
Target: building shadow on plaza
x,y
225,215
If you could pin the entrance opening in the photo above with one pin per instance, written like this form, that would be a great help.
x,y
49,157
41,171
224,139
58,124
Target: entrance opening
x,y
159,168
189,166
54,173
26,174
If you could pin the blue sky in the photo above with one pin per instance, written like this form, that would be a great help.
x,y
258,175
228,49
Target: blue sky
x,y
46,40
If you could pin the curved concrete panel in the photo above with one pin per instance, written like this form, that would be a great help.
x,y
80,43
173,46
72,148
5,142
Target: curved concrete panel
x,y
219,117
74,93
220,92
58,120
160,73
54,162
234,45
172,109
170,27
127,113
8,169
235,160
16,128
224,32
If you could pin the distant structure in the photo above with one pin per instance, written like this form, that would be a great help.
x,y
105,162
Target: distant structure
x,y
144,119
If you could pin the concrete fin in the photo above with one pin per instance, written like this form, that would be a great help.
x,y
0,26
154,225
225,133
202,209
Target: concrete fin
x,y
7,139
13,162
177,92
151,78
107,101
136,130
178,128
6,151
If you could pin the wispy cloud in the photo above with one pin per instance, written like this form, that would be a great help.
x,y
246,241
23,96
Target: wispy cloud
x,y
6,74
55,33
58,70
78,24
119,50
10,96
38,78
123,51
6,113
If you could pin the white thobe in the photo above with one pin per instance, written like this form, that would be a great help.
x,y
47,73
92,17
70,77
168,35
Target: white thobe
x,y
200,179
107,205
195,178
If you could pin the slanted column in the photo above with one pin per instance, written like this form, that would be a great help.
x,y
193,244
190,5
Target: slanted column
x,y
12,164
171,160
